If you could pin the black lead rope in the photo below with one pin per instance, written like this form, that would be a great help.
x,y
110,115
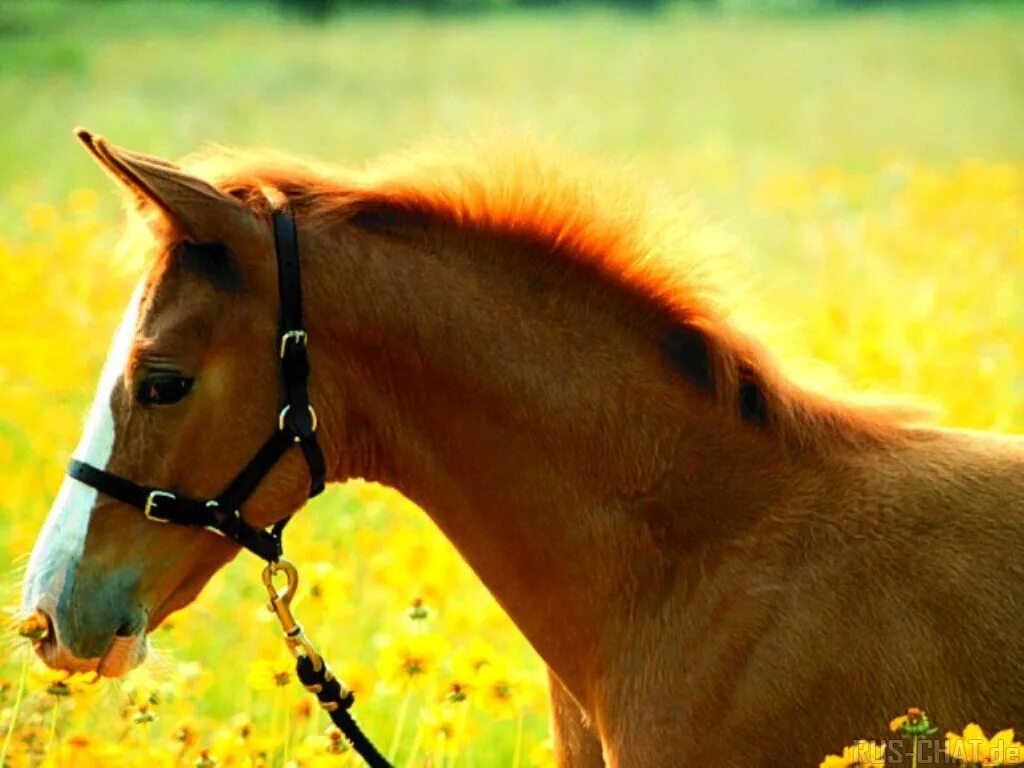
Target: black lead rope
x,y
312,670
337,701
296,424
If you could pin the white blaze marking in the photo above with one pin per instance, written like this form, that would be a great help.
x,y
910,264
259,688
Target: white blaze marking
x,y
62,538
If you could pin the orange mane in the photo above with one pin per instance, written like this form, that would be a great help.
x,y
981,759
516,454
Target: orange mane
x,y
658,256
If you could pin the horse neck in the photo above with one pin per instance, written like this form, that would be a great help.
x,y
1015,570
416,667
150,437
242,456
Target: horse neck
x,y
532,417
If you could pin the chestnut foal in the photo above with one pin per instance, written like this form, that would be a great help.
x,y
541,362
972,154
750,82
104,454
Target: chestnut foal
x,y
718,567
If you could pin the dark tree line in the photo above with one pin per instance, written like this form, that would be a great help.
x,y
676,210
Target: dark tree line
x,y
321,8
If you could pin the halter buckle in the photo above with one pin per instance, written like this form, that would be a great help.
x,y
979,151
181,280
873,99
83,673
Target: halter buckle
x,y
151,505
299,337
284,415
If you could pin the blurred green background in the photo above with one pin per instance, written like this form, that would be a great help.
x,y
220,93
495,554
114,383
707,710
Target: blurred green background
x,y
755,90
704,99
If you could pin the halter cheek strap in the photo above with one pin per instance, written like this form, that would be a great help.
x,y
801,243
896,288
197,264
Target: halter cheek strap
x,y
296,424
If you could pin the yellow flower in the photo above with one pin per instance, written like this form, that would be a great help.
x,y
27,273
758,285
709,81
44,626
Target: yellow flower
x,y
323,581
265,675
497,691
862,754
410,659
142,714
81,750
468,664
334,741
322,751
58,683
358,678
185,734
444,730
240,727
241,740
78,740
456,691
148,684
973,747
418,610
914,723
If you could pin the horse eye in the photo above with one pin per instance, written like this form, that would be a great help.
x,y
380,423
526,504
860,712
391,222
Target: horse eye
x,y
164,388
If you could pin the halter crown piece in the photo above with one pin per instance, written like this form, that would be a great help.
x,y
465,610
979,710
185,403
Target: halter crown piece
x,y
296,424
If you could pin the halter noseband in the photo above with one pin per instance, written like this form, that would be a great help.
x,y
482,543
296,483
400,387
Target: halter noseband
x,y
296,423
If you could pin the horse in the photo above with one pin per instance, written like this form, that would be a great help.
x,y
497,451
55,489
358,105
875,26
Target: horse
x,y
717,565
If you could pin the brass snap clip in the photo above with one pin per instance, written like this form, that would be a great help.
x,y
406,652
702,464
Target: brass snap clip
x,y
280,605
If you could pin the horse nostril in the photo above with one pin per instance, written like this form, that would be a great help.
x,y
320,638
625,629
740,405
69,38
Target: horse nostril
x,y
126,630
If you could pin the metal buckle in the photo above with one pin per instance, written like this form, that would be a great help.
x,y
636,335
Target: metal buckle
x,y
151,505
284,414
299,337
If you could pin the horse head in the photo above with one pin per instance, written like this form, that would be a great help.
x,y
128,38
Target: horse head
x,y
187,395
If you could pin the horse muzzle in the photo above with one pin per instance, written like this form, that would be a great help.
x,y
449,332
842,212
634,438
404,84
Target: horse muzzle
x,y
125,650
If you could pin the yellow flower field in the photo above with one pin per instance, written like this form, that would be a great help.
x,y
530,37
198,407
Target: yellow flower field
x,y
920,293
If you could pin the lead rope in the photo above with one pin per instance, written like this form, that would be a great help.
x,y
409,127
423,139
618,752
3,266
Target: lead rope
x,y
312,670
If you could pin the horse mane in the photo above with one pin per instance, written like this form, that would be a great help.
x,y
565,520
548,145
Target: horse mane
x,y
660,258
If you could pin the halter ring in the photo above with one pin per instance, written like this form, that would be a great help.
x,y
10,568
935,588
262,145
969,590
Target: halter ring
x,y
284,414
214,504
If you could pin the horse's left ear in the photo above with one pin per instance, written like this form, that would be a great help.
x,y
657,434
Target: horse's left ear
x,y
186,202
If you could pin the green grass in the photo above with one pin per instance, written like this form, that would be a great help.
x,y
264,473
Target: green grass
x,y
655,89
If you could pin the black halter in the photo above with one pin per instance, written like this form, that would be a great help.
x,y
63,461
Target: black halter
x,y
296,423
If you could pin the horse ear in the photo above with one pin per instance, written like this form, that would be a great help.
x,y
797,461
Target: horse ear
x,y
186,202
